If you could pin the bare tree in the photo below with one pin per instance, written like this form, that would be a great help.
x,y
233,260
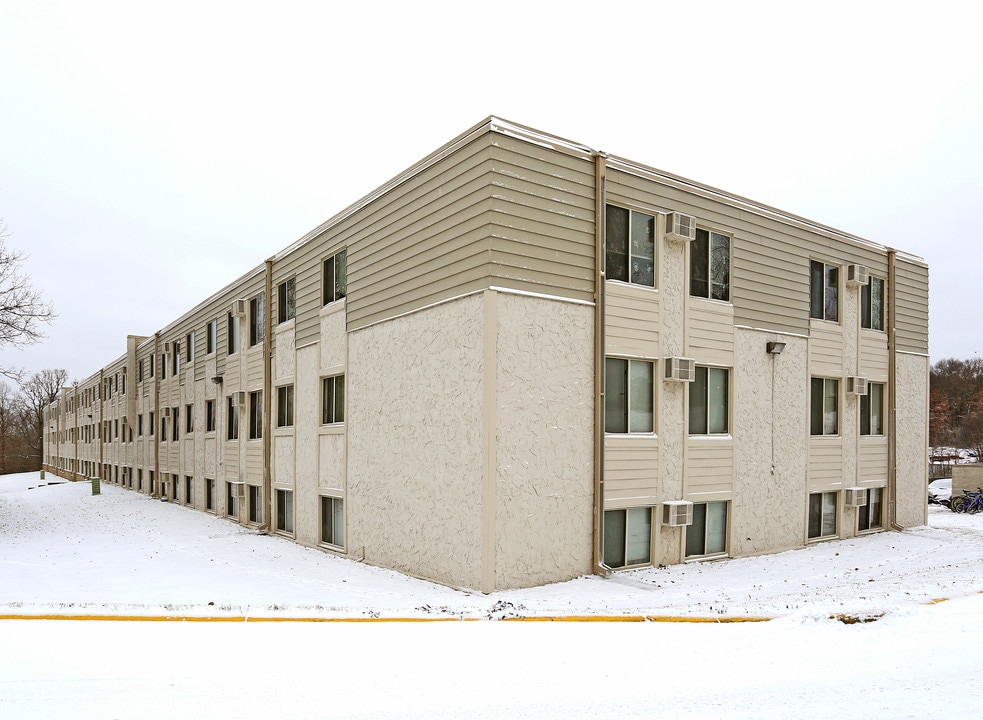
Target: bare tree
x,y
41,389
22,309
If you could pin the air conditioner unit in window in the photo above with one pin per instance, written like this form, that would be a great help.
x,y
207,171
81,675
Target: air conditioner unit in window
x,y
238,307
679,369
857,274
239,398
856,385
855,496
167,348
677,513
679,227
239,490
166,412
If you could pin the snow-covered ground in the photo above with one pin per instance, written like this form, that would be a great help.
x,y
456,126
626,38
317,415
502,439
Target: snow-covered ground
x,y
64,552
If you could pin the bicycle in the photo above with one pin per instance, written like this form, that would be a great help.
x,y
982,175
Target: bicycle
x,y
969,502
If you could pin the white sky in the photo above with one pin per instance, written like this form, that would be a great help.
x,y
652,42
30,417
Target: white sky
x,y
151,154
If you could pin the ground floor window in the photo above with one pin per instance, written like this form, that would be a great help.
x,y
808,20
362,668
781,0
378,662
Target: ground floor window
x,y
285,511
140,479
627,537
174,483
210,494
253,501
333,521
822,514
188,490
153,486
708,533
869,515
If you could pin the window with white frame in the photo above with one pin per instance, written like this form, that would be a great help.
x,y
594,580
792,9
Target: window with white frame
x,y
286,300
822,514
209,416
708,533
189,347
872,410
334,277
189,489
175,358
709,265
285,406
627,536
824,288
210,494
824,406
175,423
629,399
257,319
332,521
872,304
255,414
332,399
232,419
285,511
254,507
211,337
630,246
232,325
869,515
709,401
231,499
189,418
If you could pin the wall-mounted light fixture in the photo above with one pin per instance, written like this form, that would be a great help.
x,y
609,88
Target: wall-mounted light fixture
x,y
217,379
775,348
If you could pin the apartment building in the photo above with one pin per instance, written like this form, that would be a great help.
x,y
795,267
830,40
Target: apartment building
x,y
521,361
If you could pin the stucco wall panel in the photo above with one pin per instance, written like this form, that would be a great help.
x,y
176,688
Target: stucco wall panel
x,y
545,425
415,447
912,440
771,452
307,420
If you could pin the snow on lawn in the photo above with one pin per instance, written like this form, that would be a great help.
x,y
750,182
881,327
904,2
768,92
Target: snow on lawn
x,y
66,552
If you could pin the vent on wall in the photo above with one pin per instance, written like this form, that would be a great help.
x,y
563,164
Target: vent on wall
x,y
680,227
677,513
856,385
857,274
679,369
855,496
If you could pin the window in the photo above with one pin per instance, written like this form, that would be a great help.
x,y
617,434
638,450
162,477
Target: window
x,y
174,483
630,246
209,416
285,511
869,515
176,359
629,400
189,347
708,533
189,418
823,415
175,424
163,427
257,319
140,424
333,399
708,402
286,300
188,490
163,366
255,509
140,371
153,362
150,424
334,277
232,419
255,414
140,479
232,325
872,304
231,499
709,266
627,536
872,410
824,286
153,485
211,337
285,406
333,521
822,514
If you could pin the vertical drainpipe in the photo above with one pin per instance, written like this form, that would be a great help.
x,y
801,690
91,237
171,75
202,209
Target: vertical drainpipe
x,y
102,440
600,272
892,353
156,429
268,403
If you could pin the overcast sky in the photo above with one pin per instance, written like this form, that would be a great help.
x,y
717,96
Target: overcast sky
x,y
150,154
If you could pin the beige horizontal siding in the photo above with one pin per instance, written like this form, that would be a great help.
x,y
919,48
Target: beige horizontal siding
x,y
632,321
709,467
826,349
874,358
911,313
631,471
825,463
873,459
710,332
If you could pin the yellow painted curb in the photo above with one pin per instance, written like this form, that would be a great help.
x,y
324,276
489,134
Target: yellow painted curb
x,y
267,619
